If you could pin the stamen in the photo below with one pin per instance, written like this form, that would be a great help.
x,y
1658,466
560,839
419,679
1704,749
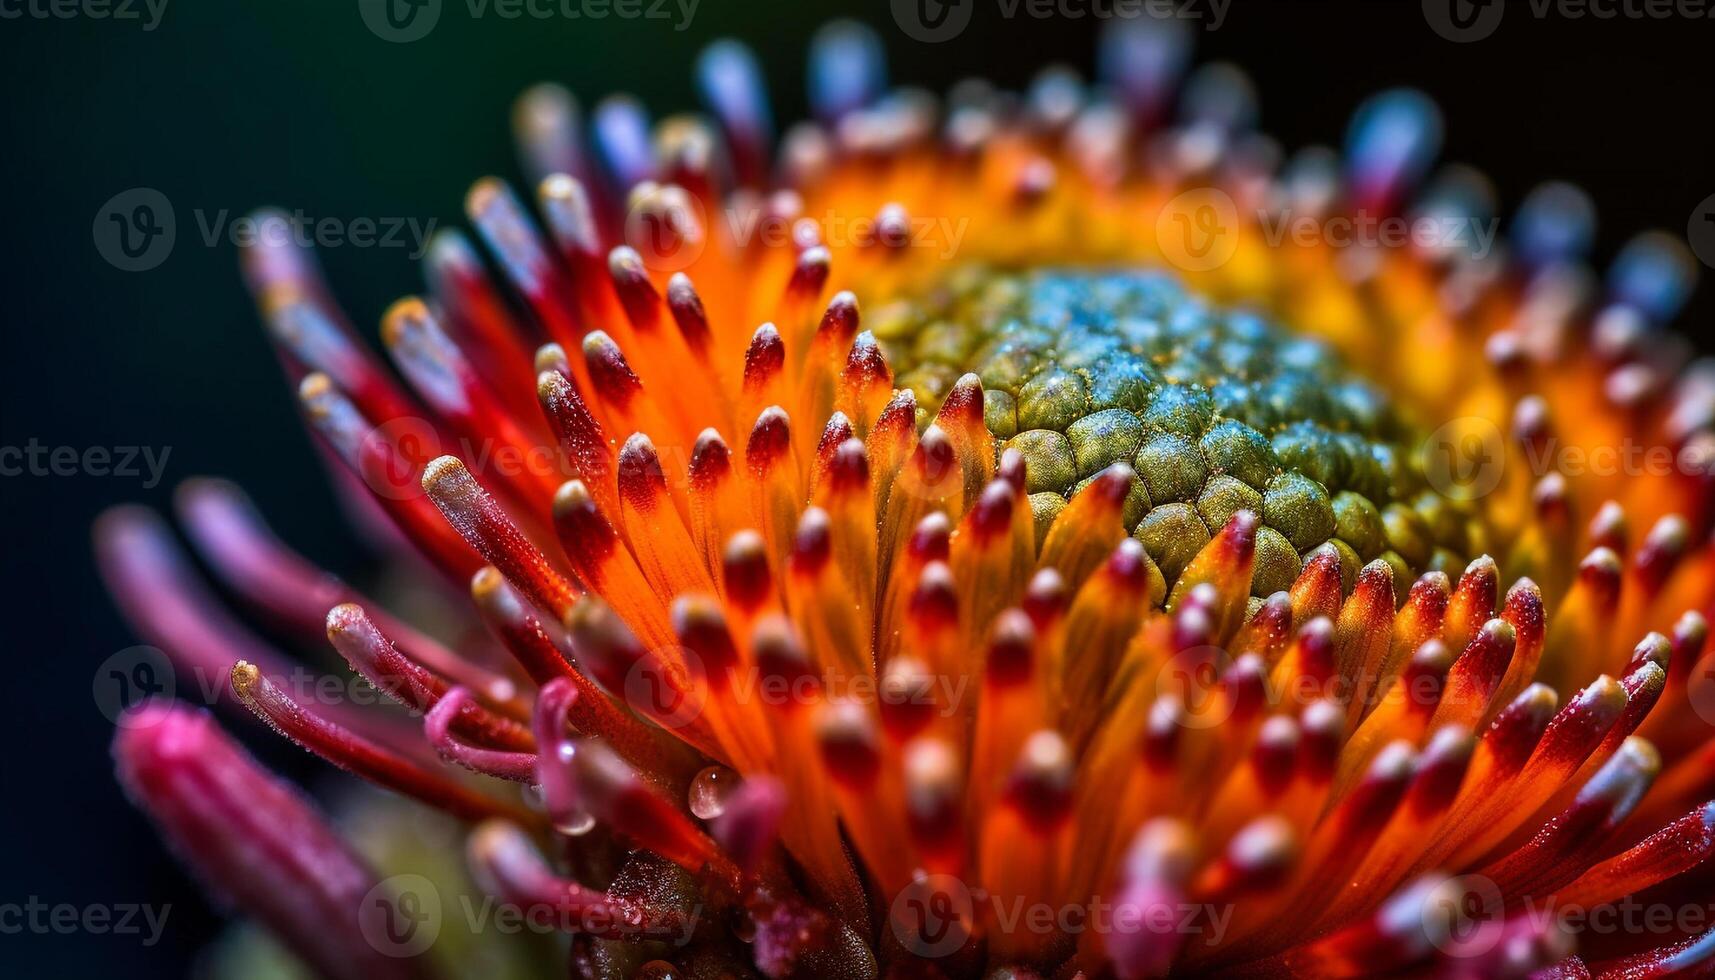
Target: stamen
x,y
688,314
508,866
477,518
437,728
254,838
358,755
371,654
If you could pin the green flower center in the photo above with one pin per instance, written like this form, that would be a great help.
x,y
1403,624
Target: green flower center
x,y
1217,410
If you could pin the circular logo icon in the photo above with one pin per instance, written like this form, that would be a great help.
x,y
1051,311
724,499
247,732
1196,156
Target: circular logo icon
x,y
1192,678
1464,459
933,916
1464,21
1700,691
134,230
669,701
401,915
932,21
393,454
132,678
1700,233
400,21
1464,916
668,228
1198,230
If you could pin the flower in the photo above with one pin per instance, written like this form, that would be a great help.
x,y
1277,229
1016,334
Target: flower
x,y
1033,535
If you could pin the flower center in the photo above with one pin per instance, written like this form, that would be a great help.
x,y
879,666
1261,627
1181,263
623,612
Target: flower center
x,y
1217,410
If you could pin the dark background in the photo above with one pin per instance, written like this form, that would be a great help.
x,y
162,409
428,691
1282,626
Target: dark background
x,y
229,105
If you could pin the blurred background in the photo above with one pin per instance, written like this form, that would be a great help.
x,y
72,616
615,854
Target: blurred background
x,y
225,106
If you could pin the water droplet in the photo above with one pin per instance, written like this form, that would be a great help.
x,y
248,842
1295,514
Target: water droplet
x,y
709,791
577,824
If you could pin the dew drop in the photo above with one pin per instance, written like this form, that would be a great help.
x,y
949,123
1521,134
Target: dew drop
x,y
578,824
709,791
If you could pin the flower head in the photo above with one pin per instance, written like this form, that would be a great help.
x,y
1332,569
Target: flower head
x,y
983,536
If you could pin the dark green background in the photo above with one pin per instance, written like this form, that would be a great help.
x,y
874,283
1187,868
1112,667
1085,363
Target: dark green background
x,y
230,104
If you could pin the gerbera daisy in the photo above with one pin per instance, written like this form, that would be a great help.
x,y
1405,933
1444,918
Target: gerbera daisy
x,y
982,536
